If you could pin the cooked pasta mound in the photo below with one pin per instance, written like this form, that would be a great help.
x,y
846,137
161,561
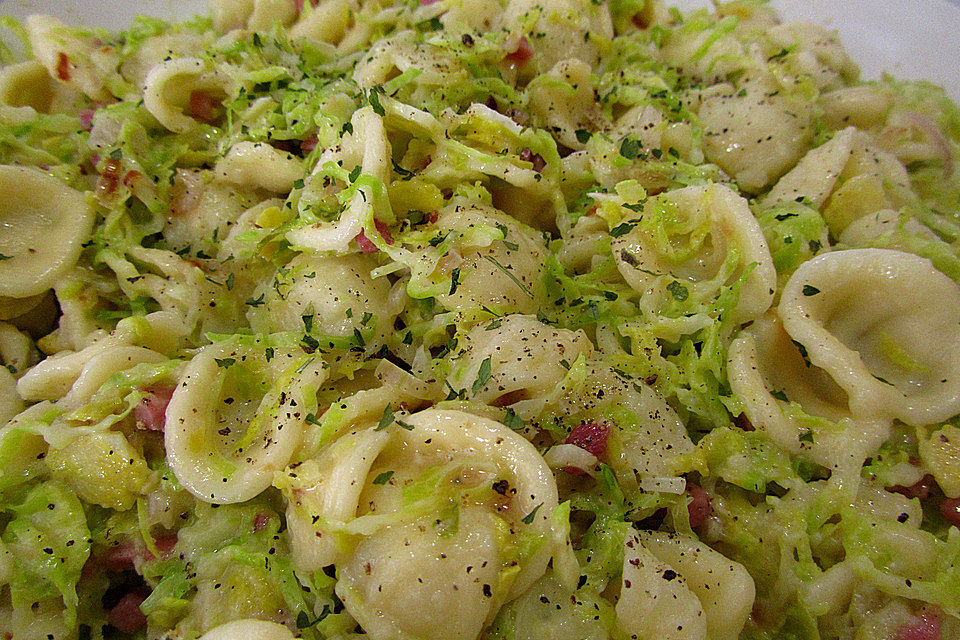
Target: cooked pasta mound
x,y
475,320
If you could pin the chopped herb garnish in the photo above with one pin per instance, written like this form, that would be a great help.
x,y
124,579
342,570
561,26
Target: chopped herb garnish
x,y
483,376
383,478
268,353
225,362
386,419
255,303
629,148
375,100
679,292
622,229
810,290
780,395
229,282
354,174
528,519
516,280
454,280
307,322
513,421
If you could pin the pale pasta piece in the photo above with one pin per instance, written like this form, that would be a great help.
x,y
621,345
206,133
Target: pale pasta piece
x,y
723,586
328,21
655,600
406,581
386,542
863,106
816,174
504,275
756,133
237,416
17,352
562,100
787,400
882,227
331,296
885,325
44,224
230,14
11,308
524,359
721,223
268,13
369,148
69,57
169,85
101,366
248,630
872,180
199,208
563,29
705,51
333,485
258,165
650,433
814,52
940,453
26,84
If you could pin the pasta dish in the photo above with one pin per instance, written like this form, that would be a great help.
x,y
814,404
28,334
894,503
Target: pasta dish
x,y
475,320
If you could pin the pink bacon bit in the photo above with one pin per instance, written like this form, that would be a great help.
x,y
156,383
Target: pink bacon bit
x,y
308,145
950,510
109,178
699,508
926,625
131,553
86,119
522,55
64,67
203,107
533,158
366,245
591,437
126,615
260,521
922,488
151,413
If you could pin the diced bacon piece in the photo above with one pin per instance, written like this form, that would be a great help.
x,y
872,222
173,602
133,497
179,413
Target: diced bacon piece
x,y
109,178
591,436
308,145
126,615
534,158
86,119
164,545
950,509
522,55
151,413
425,3
699,508
260,521
383,230
922,488
64,68
366,246
130,553
203,107
924,626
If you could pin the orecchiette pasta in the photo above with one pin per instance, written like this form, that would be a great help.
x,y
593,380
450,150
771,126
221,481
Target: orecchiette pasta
x,y
44,223
474,320
882,324
224,443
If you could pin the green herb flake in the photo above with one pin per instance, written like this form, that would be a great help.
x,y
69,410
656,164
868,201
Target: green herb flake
x,y
483,376
810,290
629,148
679,292
225,362
386,419
383,478
583,136
528,519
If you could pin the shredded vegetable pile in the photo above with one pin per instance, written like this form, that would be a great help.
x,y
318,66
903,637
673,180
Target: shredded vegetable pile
x,y
470,319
